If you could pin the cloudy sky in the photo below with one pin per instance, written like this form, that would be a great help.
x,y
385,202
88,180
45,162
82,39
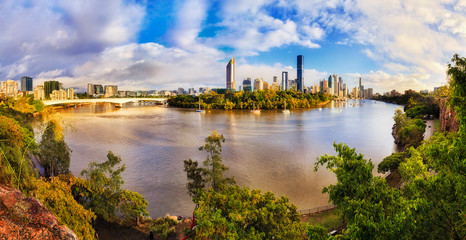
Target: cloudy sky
x,y
165,44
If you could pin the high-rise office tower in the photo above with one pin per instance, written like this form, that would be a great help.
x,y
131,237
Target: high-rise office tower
x,y
98,89
26,84
231,74
49,86
90,89
284,80
360,82
247,85
300,80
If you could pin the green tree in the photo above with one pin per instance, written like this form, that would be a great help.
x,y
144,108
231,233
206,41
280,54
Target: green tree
x,y
372,209
212,175
54,152
103,194
105,182
242,213
391,162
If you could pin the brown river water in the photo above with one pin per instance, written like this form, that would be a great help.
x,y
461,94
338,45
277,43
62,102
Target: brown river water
x,y
271,151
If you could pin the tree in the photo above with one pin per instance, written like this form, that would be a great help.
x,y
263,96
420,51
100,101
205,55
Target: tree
x,y
105,184
54,152
391,162
214,167
372,209
242,213
212,175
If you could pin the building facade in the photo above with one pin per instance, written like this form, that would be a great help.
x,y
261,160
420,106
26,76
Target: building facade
x,y
258,84
50,86
247,85
231,75
111,90
300,79
58,95
284,80
9,88
26,84
39,93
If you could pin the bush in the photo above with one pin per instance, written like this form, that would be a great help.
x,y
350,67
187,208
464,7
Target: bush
x,y
391,162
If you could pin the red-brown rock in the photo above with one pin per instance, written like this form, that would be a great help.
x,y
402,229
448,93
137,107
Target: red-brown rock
x,y
22,217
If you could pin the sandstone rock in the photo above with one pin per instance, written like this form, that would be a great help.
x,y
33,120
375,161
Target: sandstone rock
x,y
22,217
448,121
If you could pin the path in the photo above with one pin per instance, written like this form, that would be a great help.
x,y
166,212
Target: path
x,y
429,129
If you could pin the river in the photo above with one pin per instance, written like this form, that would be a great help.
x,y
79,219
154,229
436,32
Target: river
x,y
271,151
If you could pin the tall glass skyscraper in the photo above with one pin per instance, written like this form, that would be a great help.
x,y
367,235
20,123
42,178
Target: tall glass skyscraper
x,y
26,84
300,80
231,74
284,80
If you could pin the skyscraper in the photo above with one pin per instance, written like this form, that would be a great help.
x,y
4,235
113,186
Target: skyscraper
x,y
300,80
284,80
231,74
90,89
360,82
26,84
49,86
247,85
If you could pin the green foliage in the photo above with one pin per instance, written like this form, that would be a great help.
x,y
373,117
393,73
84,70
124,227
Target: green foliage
x,y
55,153
242,213
102,192
267,99
413,166
163,227
38,105
132,205
373,210
14,142
316,232
412,134
408,132
195,175
56,195
391,162
417,112
352,170
105,184
212,174
423,105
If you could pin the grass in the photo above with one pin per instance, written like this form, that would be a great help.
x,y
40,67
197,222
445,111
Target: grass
x,y
330,220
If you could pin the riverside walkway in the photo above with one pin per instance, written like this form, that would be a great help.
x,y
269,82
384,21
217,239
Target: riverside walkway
x,y
106,100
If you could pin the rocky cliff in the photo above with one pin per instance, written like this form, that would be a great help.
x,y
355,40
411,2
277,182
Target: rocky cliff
x,y
22,217
448,121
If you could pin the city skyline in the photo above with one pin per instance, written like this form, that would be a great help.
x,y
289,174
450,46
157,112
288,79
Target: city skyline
x,y
165,45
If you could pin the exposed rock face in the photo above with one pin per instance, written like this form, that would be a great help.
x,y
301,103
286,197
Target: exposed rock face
x,y
22,217
448,121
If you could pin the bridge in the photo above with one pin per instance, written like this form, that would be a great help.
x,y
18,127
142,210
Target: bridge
x,y
117,101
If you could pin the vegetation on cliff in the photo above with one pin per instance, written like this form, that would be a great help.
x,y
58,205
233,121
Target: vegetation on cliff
x,y
76,202
264,99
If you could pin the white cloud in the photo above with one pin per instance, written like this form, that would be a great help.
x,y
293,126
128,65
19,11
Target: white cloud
x,y
95,41
61,34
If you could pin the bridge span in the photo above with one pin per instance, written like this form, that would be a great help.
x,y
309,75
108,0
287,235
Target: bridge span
x,y
118,101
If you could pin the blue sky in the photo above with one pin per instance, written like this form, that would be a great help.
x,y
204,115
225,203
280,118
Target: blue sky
x,y
147,44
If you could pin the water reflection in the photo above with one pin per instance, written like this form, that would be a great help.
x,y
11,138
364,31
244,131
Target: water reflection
x,y
271,151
